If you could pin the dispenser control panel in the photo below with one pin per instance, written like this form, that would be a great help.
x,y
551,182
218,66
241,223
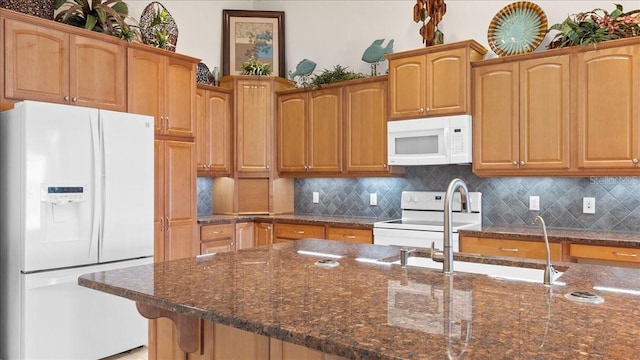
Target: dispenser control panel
x,y
63,194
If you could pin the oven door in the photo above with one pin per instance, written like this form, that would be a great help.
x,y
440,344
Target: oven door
x,y
413,238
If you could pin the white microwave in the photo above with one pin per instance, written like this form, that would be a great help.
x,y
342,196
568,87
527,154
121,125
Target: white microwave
x,y
430,141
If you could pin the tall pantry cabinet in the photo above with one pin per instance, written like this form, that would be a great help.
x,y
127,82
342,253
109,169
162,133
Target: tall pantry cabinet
x,y
163,84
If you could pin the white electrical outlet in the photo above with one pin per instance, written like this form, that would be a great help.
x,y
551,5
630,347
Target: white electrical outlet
x,y
316,197
534,203
589,205
373,199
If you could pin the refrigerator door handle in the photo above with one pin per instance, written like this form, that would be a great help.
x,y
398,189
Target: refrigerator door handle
x,y
103,187
95,142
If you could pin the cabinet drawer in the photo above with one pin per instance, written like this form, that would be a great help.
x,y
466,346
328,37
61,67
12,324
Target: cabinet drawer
x,y
604,253
216,232
216,246
510,248
349,234
295,231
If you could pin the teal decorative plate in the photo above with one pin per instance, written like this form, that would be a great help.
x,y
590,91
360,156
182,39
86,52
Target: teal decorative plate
x,y
517,29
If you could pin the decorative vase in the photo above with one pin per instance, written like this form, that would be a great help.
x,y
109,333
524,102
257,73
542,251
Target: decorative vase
x,y
156,30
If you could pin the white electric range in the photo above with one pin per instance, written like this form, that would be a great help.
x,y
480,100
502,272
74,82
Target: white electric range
x,y
422,220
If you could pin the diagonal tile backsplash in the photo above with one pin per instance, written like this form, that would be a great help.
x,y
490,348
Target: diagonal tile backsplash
x,y
505,200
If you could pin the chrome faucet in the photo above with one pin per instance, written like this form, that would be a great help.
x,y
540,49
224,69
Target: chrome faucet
x,y
454,185
404,256
549,271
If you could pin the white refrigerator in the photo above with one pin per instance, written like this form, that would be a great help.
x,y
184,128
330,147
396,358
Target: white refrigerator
x,y
76,196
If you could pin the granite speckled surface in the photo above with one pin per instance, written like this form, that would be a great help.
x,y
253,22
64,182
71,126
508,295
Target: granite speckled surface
x,y
381,311
355,222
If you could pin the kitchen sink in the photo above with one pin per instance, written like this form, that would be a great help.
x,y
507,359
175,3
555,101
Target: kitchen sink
x,y
495,271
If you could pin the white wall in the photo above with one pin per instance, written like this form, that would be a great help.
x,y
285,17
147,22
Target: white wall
x,y
337,32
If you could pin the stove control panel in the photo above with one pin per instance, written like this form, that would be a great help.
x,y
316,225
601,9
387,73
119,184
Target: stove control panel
x,y
434,200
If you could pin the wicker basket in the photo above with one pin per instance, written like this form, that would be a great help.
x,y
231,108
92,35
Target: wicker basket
x,y
40,8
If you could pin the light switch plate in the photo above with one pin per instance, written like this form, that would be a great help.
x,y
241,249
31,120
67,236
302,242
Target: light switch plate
x,y
316,197
373,199
588,205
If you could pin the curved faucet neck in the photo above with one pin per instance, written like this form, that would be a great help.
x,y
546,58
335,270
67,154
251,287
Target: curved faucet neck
x,y
455,184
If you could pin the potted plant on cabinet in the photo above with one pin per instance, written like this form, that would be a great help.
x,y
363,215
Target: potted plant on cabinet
x,y
108,17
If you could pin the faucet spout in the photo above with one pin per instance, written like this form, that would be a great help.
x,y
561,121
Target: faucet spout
x,y
549,271
455,184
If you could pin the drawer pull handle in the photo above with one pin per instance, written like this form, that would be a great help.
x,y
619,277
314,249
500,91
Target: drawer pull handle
x,y
298,232
349,236
625,254
218,232
509,249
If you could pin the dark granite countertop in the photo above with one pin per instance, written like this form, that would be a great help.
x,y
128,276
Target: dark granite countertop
x,y
354,222
576,236
380,311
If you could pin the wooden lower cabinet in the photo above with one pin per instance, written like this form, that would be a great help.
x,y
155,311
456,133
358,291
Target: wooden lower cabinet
x,y
216,238
510,248
605,255
263,234
245,235
289,232
364,236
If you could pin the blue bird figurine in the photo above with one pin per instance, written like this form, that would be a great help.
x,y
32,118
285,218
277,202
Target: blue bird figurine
x,y
304,68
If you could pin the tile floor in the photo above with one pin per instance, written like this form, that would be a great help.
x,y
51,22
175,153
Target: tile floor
x,y
140,353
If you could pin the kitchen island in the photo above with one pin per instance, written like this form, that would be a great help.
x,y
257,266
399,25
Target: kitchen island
x,y
378,310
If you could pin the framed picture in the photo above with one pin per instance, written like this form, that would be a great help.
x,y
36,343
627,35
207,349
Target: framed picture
x,y
257,34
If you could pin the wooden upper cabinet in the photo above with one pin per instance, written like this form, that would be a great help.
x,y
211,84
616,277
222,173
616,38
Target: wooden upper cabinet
x,y
163,86
433,81
254,111
213,136
78,70
608,108
521,117
291,127
254,107
309,126
365,109
495,120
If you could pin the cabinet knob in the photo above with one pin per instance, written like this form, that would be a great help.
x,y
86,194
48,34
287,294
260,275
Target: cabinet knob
x,y
66,98
384,166
422,110
514,163
74,99
635,161
523,163
428,109
267,167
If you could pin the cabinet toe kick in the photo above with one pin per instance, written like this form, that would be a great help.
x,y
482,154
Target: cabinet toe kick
x,y
187,327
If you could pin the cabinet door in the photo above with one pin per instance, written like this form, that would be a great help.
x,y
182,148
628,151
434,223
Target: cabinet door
x,y
180,200
254,109
495,121
407,97
97,73
291,125
159,229
180,92
36,63
325,131
218,106
244,235
447,82
145,85
365,108
203,132
608,111
263,234
544,113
